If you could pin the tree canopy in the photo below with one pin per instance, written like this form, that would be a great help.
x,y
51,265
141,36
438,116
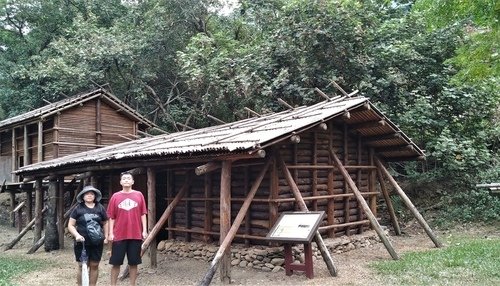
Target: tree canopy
x,y
432,66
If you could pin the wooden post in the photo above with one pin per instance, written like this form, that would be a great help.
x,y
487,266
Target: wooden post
x,y
347,199
207,224
40,142
166,214
60,211
19,211
234,228
364,205
29,205
152,213
330,213
14,157
302,206
51,234
388,202
38,210
98,122
12,195
408,203
273,194
225,219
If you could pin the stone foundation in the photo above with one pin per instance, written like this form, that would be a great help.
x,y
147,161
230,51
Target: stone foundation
x,y
265,258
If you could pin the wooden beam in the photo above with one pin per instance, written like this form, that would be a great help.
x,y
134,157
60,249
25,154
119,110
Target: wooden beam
x,y
322,94
364,205
285,104
339,88
408,203
303,207
368,124
372,139
236,224
394,148
207,168
225,220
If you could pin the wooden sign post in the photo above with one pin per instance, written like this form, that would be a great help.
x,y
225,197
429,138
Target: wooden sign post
x,y
297,227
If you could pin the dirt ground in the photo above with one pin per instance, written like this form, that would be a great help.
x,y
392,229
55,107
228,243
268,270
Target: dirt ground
x,y
352,266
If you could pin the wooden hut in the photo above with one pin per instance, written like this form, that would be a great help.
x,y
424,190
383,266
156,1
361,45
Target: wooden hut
x,y
234,179
79,123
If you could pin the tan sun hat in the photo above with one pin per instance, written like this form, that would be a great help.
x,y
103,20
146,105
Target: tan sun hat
x,y
86,189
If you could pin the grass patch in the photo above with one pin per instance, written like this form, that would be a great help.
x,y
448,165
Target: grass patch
x,y
11,267
466,261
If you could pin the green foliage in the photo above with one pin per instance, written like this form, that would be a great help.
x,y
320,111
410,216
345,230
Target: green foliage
x,y
12,266
466,261
478,57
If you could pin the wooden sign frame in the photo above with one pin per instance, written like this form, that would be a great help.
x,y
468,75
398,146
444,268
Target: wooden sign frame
x,y
298,227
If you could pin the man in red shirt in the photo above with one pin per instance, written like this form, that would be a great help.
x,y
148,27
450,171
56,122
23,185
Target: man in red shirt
x,y
127,227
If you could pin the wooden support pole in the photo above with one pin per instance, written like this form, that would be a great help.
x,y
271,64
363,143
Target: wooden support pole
x,y
364,205
388,202
151,183
29,205
37,245
60,212
22,233
38,210
236,224
302,206
225,220
408,203
19,210
51,234
12,196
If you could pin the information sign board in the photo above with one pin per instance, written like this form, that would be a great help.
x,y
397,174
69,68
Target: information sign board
x,y
296,226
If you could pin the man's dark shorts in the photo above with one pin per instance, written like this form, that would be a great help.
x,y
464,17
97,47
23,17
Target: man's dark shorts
x,y
94,252
131,247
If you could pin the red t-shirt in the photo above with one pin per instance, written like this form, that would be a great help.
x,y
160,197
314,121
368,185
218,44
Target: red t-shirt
x,y
126,210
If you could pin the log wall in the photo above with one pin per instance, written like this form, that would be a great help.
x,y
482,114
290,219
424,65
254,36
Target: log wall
x,y
322,186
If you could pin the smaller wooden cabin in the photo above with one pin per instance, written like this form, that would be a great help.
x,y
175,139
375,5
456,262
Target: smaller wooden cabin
x,y
79,123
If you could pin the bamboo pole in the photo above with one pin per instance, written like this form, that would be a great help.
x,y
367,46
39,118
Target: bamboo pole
x,y
302,206
408,203
234,228
364,205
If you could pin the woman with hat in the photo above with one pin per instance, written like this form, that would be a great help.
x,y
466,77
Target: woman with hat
x,y
88,214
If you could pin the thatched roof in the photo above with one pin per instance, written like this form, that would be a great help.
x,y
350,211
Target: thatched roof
x,y
250,136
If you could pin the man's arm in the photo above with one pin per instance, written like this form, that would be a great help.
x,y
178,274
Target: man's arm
x,y
111,225
144,221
